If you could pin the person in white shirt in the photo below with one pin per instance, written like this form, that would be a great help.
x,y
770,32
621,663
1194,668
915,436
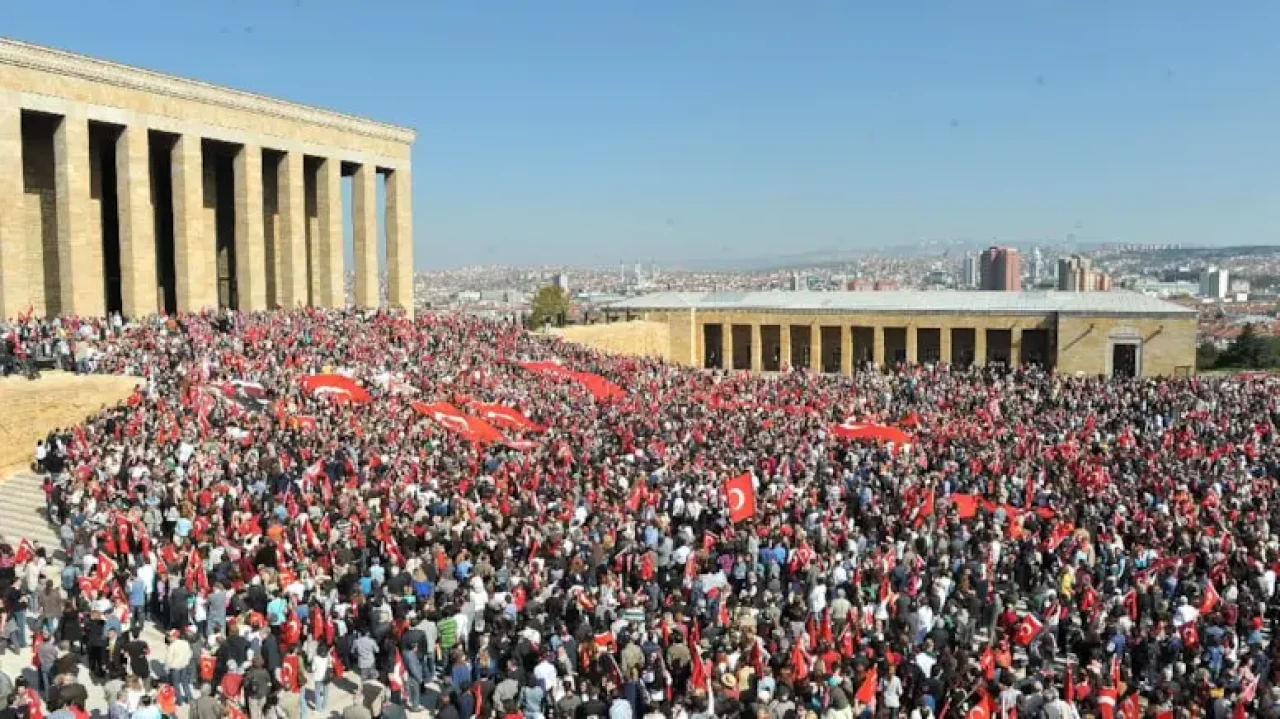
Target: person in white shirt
x,y
891,690
1185,613
545,673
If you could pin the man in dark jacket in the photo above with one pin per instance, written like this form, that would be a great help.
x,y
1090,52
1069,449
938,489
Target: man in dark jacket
x,y
95,641
270,651
179,613
137,650
257,687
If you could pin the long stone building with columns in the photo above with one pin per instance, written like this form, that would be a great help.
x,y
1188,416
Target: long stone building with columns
x,y
1095,333
126,190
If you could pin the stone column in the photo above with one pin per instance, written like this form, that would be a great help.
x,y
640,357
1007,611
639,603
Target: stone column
x,y
194,252
757,348
20,251
877,346
1015,346
363,204
81,285
251,262
944,345
327,287
846,350
138,281
980,346
291,251
211,189
784,349
399,224
726,345
815,347
698,342
910,333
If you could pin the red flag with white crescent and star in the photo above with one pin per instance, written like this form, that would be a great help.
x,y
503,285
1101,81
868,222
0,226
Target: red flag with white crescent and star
x,y
741,495
1028,628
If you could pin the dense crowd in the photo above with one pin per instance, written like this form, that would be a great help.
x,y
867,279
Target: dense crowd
x,y
1043,546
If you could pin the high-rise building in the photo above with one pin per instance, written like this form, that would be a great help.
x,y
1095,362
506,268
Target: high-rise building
x,y
969,276
1077,274
1001,269
1072,272
1037,266
561,280
797,282
1215,282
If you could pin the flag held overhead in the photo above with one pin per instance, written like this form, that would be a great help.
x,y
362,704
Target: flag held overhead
x,y
740,493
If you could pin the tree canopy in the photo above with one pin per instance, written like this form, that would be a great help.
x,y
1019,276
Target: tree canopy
x,y
550,304
1249,351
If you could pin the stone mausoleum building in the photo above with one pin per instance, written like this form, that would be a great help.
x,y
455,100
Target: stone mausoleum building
x,y
1096,333
125,190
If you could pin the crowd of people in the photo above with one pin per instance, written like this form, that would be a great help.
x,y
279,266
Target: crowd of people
x,y
1042,546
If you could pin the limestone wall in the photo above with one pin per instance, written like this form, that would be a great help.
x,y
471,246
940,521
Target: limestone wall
x,y
636,339
1080,343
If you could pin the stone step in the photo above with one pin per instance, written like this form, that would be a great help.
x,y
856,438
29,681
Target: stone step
x,y
22,514
27,523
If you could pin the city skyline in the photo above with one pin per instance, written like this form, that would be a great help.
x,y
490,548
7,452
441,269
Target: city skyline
x,y
579,132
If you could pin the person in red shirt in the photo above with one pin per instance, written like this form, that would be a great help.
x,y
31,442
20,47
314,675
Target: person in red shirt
x,y
231,681
167,699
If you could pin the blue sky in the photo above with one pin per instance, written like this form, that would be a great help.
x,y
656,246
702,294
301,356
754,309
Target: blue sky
x,y
594,131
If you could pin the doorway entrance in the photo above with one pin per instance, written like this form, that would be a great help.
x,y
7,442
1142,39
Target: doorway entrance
x,y
1124,360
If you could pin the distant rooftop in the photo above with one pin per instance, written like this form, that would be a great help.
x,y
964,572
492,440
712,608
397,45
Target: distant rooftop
x,y
941,301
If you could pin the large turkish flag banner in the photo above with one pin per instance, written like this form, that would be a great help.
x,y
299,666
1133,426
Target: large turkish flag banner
x,y
741,495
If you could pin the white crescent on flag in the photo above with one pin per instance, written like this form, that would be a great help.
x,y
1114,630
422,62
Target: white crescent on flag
x,y
457,424
737,500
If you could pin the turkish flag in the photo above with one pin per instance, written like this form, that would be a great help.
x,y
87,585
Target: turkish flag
x,y
1211,599
24,554
867,692
1027,630
799,662
452,419
925,509
741,495
988,664
505,417
983,709
1190,635
878,432
966,505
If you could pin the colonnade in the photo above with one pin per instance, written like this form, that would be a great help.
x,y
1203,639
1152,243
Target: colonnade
x,y
825,347
97,217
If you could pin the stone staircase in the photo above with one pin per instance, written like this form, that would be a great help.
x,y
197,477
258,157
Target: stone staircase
x,y
22,514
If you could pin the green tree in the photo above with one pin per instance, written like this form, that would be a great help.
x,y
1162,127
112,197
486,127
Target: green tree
x,y
1249,350
550,304
1207,355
